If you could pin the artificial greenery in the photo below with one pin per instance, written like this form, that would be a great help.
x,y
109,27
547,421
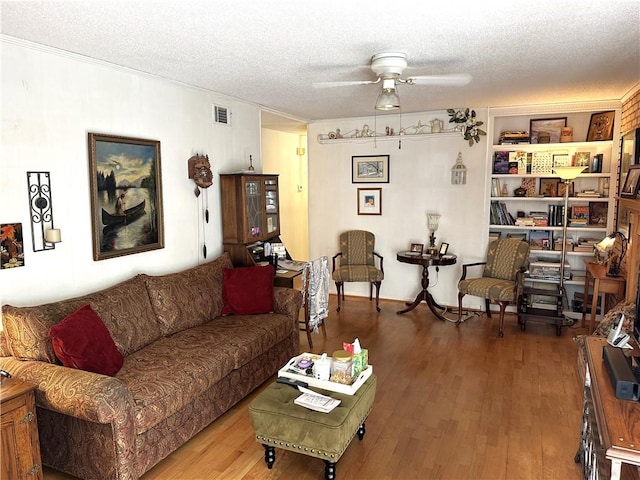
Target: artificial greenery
x,y
470,128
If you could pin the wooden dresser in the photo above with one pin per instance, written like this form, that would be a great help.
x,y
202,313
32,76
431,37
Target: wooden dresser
x,y
20,445
610,437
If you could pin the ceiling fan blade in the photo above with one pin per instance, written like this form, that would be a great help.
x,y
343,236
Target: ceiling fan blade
x,y
454,79
343,84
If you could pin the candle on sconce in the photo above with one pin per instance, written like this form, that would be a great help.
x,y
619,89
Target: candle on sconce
x,y
52,235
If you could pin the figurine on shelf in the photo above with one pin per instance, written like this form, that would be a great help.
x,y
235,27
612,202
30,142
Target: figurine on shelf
x,y
366,132
389,131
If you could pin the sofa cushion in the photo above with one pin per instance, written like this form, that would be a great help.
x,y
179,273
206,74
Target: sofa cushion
x,y
248,290
124,308
168,374
82,341
184,299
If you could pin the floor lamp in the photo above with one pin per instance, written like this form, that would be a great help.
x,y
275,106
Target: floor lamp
x,y
567,174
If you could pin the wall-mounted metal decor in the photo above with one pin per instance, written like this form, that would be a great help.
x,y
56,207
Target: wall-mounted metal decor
x,y
41,211
126,195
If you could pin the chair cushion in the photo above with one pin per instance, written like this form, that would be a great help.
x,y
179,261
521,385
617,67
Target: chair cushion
x,y
505,257
491,288
82,341
357,273
248,290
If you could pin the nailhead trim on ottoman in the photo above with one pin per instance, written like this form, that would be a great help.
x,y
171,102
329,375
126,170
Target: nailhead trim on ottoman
x,y
278,422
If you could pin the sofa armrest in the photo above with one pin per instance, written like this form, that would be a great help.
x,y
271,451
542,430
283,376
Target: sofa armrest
x,y
84,395
287,301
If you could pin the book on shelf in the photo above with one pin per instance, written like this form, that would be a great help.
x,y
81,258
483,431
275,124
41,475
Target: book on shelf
x,y
513,137
556,215
541,163
520,159
500,215
315,401
598,212
520,236
501,162
580,211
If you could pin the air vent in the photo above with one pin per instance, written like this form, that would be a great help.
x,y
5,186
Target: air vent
x,y
221,115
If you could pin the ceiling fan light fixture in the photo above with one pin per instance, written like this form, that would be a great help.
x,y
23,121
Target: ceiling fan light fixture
x,y
388,100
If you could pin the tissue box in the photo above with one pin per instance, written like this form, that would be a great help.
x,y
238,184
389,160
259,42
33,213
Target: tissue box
x,y
360,361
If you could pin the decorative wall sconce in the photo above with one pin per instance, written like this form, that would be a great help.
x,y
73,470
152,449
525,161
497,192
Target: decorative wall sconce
x,y
459,172
43,234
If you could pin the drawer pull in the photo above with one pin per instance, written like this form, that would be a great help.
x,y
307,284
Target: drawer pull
x,y
33,471
27,418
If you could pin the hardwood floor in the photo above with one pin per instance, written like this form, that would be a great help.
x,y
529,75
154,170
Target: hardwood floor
x,y
452,403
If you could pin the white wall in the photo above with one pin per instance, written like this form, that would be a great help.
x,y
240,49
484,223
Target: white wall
x,y
279,156
50,101
419,182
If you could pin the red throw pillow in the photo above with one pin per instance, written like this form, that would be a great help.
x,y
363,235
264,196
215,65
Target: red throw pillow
x,y
247,290
83,341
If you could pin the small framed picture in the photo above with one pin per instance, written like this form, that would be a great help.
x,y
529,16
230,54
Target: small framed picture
x,y
443,248
601,126
369,201
630,187
561,160
561,188
417,248
370,169
546,130
549,187
583,159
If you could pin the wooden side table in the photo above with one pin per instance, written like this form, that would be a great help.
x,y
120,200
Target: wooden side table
x,y
20,444
602,283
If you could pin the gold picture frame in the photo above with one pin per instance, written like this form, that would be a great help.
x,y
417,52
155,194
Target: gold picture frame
x,y
601,126
126,195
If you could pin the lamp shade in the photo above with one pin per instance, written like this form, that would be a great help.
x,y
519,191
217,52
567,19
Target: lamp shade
x,y
568,173
388,100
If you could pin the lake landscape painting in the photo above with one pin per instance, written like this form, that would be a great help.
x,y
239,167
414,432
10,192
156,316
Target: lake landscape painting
x,y
126,195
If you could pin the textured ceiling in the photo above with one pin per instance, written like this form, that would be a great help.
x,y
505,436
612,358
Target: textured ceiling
x,y
270,53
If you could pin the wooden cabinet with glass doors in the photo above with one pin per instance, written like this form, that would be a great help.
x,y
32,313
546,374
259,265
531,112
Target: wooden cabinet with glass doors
x,y
250,213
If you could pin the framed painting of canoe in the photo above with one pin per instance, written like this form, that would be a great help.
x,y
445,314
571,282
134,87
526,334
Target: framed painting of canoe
x,y
126,195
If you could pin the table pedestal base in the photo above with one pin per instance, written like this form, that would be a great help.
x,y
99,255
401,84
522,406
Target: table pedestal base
x,y
424,295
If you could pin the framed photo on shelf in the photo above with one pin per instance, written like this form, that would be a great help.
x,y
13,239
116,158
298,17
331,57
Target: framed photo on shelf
x,y
126,195
549,187
546,130
417,248
561,160
630,186
540,240
370,169
369,201
601,126
561,186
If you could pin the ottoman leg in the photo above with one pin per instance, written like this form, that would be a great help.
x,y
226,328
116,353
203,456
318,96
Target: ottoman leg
x,y
329,470
269,455
361,431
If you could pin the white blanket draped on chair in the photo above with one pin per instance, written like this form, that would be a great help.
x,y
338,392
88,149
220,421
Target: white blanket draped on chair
x,y
315,290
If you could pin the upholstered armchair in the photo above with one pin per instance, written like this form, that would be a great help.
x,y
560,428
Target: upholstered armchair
x,y
357,263
502,277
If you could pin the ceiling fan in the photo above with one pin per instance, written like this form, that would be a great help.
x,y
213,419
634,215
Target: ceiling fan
x,y
388,67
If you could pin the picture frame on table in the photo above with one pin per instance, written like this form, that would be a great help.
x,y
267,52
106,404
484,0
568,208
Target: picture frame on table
x,y
631,182
370,169
416,248
370,201
601,126
547,128
444,247
126,195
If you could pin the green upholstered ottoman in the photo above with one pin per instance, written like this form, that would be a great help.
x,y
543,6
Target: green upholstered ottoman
x,y
278,422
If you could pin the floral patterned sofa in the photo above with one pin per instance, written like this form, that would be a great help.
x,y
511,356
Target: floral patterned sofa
x,y
184,365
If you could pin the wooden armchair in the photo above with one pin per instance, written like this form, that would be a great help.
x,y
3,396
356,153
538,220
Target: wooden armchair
x,y
502,277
